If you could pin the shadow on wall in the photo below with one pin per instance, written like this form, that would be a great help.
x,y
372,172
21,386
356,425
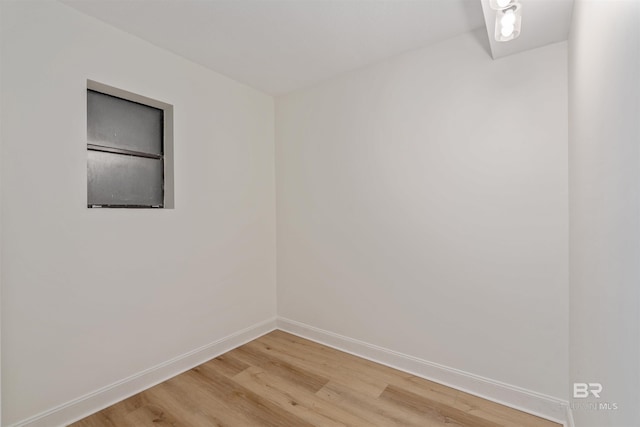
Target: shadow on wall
x,y
480,33
481,37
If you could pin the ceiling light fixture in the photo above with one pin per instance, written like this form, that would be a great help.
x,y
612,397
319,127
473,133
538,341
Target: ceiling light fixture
x,y
508,21
501,4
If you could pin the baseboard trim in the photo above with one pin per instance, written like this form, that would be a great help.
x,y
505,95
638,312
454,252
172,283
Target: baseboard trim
x,y
515,397
518,398
106,396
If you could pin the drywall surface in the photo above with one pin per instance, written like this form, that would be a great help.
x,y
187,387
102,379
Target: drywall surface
x,y
604,188
422,207
1,219
92,296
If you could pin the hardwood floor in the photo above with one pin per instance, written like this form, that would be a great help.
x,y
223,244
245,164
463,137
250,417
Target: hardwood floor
x,y
281,380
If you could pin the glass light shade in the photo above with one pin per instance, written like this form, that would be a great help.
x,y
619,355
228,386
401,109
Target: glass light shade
x,y
508,23
501,4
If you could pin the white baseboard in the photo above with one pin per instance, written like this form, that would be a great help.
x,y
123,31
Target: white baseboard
x,y
508,395
515,397
88,404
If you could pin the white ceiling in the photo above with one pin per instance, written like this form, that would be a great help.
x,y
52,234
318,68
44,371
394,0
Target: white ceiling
x,y
281,45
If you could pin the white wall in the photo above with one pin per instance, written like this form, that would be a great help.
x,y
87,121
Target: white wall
x,y
1,133
604,164
422,207
92,296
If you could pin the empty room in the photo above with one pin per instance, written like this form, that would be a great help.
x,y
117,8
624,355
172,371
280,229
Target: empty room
x,y
295,213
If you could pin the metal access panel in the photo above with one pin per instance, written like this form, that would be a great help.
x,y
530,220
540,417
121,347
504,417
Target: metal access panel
x,y
119,123
125,162
118,180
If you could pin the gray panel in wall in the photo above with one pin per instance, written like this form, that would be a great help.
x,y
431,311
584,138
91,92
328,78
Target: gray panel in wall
x,y
117,179
119,123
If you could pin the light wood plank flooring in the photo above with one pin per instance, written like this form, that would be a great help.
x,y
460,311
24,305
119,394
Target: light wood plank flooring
x,y
281,380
